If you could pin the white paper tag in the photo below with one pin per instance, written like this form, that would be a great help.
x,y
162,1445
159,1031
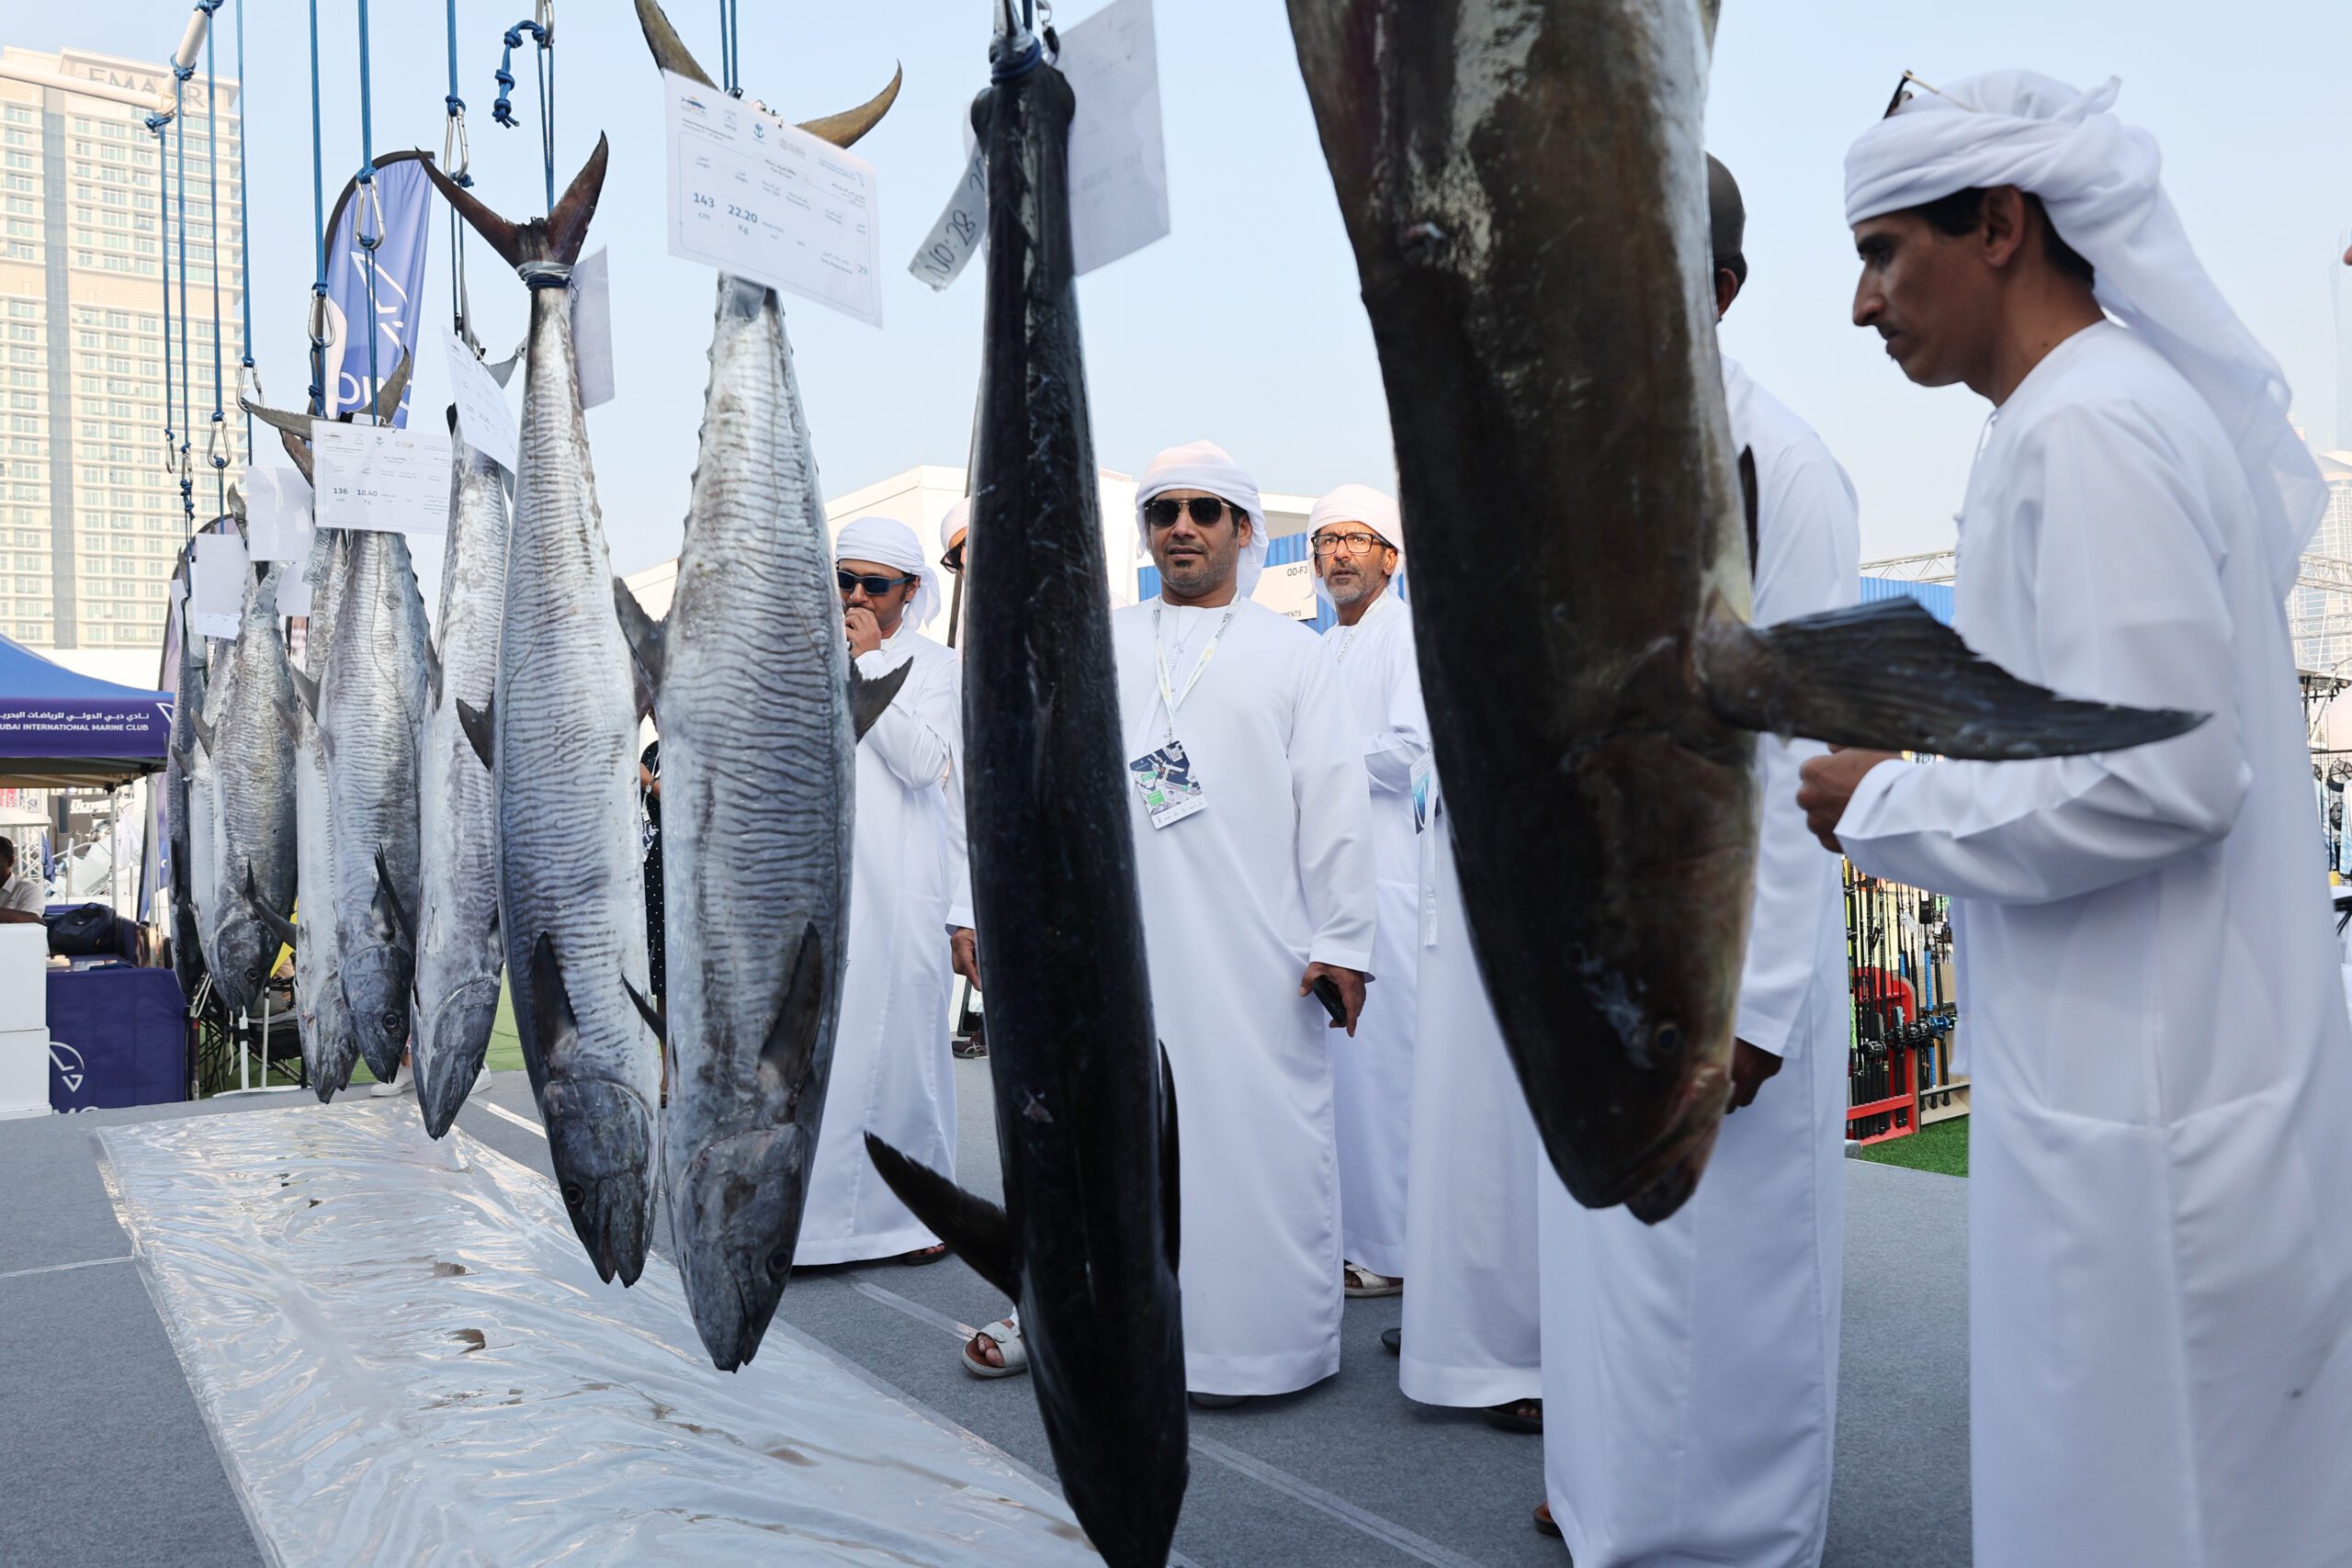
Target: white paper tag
x,y
277,514
758,199
1170,789
294,589
1118,155
380,479
592,331
484,417
217,584
954,240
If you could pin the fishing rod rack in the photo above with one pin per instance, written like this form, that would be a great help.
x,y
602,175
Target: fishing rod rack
x,y
1898,960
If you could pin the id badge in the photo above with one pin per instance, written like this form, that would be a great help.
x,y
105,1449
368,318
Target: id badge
x,y
1427,804
1170,789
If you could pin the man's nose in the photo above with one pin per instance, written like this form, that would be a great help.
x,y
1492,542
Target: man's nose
x,y
1868,303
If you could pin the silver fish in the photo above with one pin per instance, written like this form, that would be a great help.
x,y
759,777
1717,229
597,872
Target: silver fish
x,y
249,733
330,1043
563,730
760,709
460,955
187,706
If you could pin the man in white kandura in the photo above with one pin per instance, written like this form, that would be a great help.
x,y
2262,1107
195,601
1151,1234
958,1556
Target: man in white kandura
x,y
1699,1357
22,898
1355,538
2160,1274
1254,859
909,915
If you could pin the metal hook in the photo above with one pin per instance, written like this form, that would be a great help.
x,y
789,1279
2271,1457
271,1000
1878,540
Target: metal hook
x,y
453,139
375,204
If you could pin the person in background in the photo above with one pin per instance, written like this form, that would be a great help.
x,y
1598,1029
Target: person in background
x,y
648,790
1696,1360
911,920
1354,534
2160,1280
22,898
967,958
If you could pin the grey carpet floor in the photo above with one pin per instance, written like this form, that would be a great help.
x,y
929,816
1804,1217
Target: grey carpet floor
x,y
106,1459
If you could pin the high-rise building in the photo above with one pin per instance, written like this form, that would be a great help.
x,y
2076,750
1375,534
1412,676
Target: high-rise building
x,y
2341,295
90,509
2321,616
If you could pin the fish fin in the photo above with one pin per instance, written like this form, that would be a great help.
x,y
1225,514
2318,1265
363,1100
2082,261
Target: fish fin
x,y
643,634
554,1020
870,697
280,420
475,722
1891,677
567,224
669,51
1172,1205
432,671
389,899
203,733
280,926
800,1013
505,237
392,387
1748,502
655,1020
974,1229
844,128
306,687
298,448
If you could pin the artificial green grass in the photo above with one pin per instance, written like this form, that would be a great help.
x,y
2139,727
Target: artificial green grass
x,y
1940,1146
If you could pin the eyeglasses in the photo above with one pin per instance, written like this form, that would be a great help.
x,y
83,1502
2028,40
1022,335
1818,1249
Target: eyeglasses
x,y
1354,543
1902,95
875,586
954,560
1161,511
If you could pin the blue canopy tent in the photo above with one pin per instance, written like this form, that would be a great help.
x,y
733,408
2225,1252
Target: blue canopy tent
x,y
61,730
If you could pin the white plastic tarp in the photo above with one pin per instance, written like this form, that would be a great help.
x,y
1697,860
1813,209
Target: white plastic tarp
x,y
405,1358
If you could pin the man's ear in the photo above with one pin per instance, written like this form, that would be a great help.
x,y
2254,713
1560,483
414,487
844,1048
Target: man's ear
x,y
2003,225
1726,289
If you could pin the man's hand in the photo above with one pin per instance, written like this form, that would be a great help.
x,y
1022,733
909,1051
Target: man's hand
x,y
1351,983
864,631
1750,1066
964,949
1825,785
18,918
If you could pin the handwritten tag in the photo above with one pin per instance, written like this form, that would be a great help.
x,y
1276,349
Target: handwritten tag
x,y
591,330
1118,153
954,240
217,584
484,417
761,199
277,514
380,479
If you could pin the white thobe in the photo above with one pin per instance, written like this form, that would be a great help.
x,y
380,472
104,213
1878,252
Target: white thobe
x,y
893,1075
1471,1332
1372,664
1694,1362
1275,871
2160,1274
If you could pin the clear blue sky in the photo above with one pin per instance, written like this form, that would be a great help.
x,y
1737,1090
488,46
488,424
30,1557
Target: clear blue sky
x,y
1244,326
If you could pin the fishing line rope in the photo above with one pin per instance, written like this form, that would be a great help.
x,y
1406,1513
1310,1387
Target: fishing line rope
x,y
158,122
540,25
366,180
245,371
318,322
730,49
212,452
456,157
180,74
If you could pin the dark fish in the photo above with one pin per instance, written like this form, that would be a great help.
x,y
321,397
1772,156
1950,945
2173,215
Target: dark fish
x,y
1086,1114
1526,192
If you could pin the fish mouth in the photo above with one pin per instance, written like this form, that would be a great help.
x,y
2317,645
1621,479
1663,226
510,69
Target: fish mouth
x,y
735,1214
458,1030
375,990
1661,1178
600,1139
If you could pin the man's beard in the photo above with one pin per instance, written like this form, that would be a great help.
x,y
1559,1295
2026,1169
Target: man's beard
x,y
1347,591
1196,576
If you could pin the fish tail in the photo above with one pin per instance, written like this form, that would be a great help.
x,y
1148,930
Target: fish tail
x,y
671,53
556,238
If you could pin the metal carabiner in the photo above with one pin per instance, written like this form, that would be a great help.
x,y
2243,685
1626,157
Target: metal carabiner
x,y
452,141
212,447
375,204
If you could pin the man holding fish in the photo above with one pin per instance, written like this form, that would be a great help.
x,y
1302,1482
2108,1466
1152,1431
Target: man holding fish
x,y
2160,1286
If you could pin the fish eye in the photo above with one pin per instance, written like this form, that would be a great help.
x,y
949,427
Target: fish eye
x,y
779,1264
1668,1037
391,1021
573,1195
253,971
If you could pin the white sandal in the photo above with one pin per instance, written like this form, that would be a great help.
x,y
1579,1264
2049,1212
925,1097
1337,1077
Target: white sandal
x,y
1006,1333
1362,1281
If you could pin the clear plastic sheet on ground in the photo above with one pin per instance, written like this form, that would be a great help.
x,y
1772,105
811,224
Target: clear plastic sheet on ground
x,y
404,1358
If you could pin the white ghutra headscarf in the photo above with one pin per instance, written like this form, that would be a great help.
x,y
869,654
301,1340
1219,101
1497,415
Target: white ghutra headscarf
x,y
893,544
2099,180
1204,465
1373,509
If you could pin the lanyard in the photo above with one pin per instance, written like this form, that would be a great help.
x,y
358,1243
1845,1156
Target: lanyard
x,y
1169,697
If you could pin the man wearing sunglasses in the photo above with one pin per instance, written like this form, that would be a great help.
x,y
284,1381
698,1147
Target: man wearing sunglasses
x,y
909,913
2160,1278
1352,535
1695,1361
1254,859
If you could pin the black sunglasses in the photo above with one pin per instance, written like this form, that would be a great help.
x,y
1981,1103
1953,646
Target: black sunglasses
x,y
875,586
954,560
1904,94
1161,511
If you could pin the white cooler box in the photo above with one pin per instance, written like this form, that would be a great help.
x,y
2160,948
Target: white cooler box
x,y
23,979
24,1072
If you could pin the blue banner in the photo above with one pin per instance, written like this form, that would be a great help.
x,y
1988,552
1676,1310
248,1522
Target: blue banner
x,y
405,197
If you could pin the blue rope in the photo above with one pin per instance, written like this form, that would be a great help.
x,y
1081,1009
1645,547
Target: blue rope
x,y
730,49
244,237
502,108
455,138
319,224
212,177
366,179
180,73
158,123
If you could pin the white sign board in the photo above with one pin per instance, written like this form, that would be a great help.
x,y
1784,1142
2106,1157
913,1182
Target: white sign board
x,y
484,417
217,584
278,514
1119,157
761,199
1288,589
591,330
378,478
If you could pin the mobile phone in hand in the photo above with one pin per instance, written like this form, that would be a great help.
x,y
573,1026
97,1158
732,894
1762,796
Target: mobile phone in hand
x,y
1327,991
